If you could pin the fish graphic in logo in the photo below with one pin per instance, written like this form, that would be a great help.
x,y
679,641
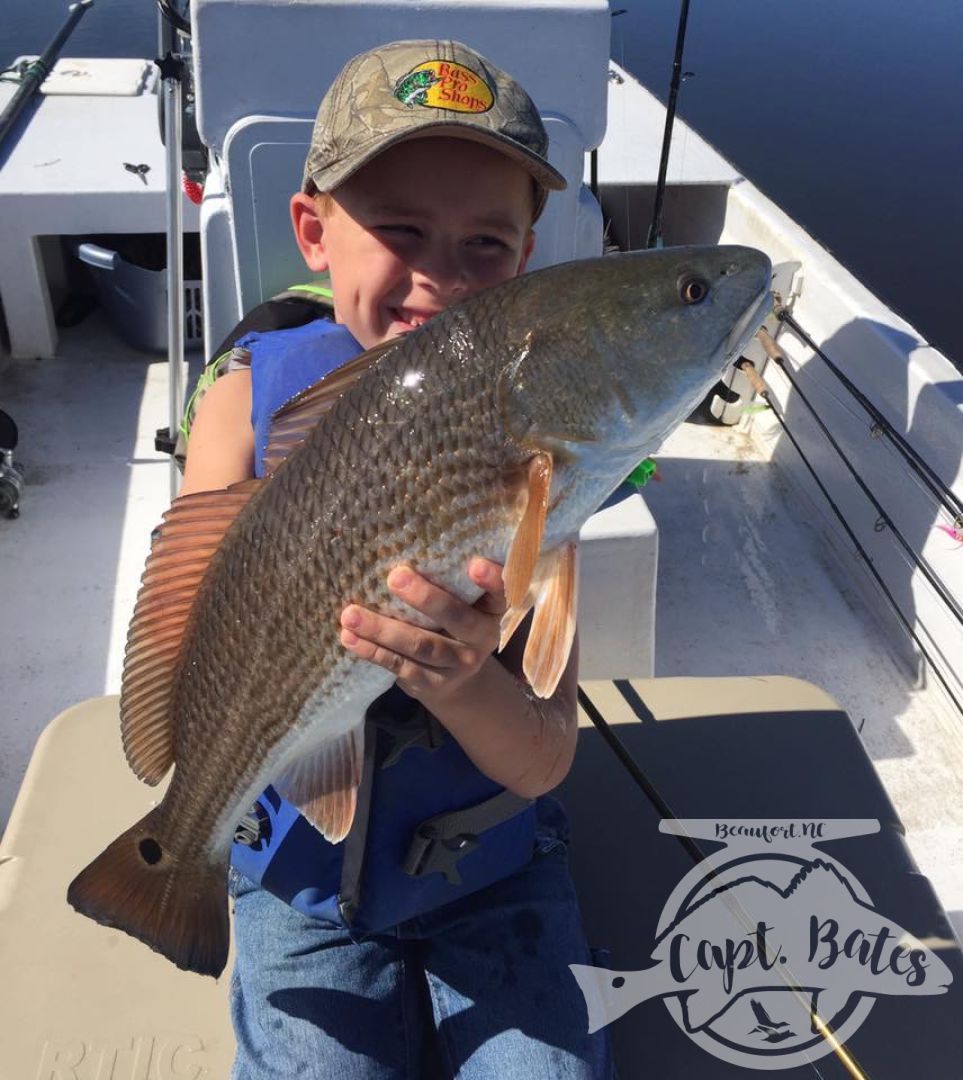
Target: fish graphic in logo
x,y
413,88
757,951
441,84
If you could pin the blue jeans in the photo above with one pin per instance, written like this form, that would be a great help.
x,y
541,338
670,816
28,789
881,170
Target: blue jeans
x,y
478,988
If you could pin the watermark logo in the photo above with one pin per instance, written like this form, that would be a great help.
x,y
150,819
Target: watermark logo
x,y
767,946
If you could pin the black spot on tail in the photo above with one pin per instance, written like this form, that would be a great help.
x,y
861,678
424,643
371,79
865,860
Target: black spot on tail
x,y
150,851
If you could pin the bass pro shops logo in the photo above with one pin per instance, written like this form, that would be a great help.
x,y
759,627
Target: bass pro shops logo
x,y
440,84
767,946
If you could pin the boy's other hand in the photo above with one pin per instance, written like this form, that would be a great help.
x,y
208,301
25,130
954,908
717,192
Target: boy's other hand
x,y
431,665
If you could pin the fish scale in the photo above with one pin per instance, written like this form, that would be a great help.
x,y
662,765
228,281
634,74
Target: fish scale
x,y
360,578
494,429
357,575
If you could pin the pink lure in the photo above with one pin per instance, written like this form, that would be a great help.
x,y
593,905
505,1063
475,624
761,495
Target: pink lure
x,y
950,531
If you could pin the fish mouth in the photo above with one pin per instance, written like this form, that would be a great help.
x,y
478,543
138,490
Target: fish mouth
x,y
741,334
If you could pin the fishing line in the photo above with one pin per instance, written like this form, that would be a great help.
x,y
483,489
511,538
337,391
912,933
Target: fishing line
x,y
701,859
939,489
778,357
885,446
763,391
858,414
627,239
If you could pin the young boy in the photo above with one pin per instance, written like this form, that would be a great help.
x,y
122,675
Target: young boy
x,y
426,171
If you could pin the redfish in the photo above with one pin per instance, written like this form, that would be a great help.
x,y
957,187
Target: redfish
x,y
495,429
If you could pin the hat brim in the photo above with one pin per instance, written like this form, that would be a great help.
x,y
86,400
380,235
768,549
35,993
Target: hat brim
x,y
547,177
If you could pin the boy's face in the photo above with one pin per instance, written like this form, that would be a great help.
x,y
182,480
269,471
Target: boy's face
x,y
425,224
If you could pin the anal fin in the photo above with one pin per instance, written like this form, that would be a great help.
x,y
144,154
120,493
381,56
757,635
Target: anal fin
x,y
323,784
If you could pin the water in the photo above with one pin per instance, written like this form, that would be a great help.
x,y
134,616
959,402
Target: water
x,y
846,114
108,28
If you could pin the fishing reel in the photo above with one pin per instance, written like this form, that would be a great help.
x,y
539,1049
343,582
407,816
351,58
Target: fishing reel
x,y
11,474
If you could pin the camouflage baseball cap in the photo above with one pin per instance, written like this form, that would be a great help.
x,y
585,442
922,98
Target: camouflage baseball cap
x,y
413,89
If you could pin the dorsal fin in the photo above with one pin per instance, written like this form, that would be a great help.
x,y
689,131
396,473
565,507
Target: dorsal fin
x,y
291,424
190,532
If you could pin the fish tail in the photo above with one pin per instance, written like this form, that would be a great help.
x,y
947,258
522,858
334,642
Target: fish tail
x,y
176,907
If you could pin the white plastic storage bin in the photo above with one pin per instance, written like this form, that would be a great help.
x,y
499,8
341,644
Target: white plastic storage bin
x,y
131,285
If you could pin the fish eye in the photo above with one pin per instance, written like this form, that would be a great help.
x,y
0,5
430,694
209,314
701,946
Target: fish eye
x,y
693,290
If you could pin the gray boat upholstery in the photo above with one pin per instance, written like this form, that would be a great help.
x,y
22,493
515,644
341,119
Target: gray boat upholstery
x,y
262,67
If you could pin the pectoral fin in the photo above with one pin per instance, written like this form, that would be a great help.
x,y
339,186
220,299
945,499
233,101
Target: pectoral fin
x,y
323,785
512,619
553,627
524,551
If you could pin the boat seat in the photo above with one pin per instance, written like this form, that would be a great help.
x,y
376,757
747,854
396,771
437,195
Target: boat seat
x,y
87,1002
262,67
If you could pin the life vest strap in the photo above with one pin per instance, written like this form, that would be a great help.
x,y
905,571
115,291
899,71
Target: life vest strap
x,y
439,842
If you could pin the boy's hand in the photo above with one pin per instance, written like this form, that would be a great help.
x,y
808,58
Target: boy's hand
x,y
431,665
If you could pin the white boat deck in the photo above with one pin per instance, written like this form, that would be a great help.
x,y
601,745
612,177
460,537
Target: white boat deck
x,y
71,563
745,585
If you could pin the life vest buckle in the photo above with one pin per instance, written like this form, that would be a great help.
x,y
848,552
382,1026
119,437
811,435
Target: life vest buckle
x,y
248,829
441,841
432,851
253,827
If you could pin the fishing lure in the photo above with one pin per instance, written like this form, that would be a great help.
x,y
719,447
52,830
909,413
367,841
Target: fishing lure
x,y
953,531
644,472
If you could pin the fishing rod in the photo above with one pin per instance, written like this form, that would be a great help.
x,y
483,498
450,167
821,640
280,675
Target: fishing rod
x,y
171,67
178,19
654,239
38,71
762,389
778,357
881,426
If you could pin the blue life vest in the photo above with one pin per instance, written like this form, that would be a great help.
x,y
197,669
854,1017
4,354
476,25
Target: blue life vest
x,y
429,826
